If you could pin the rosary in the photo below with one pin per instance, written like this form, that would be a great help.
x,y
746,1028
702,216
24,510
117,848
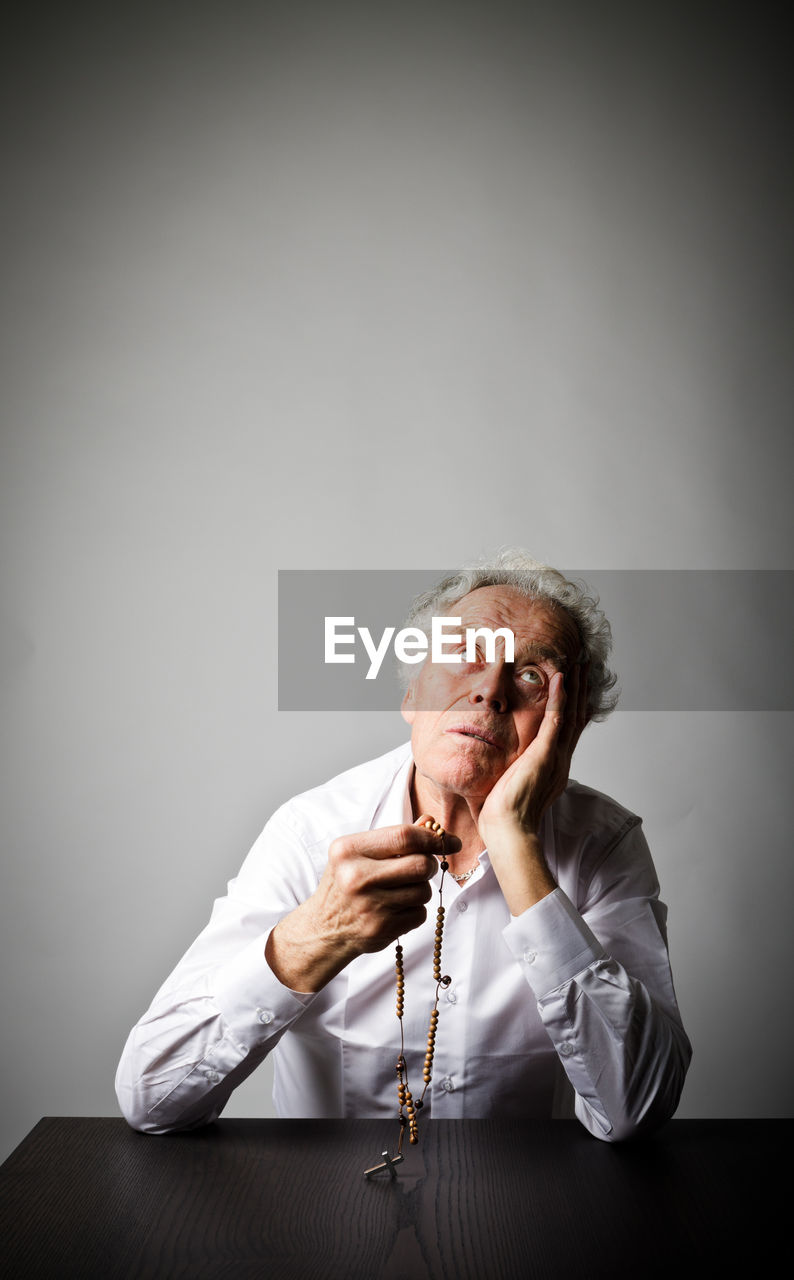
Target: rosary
x,y
409,1107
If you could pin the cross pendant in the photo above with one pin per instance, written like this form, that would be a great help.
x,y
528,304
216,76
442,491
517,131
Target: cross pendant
x,y
389,1163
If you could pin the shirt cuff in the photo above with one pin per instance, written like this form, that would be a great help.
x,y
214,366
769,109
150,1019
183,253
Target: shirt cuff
x,y
552,943
254,1005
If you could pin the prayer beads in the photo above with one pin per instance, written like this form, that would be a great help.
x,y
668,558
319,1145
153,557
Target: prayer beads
x,y
409,1107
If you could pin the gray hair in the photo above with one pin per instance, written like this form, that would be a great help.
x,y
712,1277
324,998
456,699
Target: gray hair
x,y
513,567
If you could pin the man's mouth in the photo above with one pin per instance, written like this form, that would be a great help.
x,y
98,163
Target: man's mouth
x,y
475,731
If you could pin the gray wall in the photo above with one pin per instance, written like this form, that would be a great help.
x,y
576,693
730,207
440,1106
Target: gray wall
x,y
311,285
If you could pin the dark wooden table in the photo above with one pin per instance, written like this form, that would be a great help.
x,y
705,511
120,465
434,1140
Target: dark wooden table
x,y
89,1198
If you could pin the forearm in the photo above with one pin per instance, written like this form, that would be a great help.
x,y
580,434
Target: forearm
x,y
202,1036
303,953
619,1038
520,867
630,1056
625,1056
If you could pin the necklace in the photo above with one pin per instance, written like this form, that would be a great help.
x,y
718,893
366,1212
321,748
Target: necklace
x,y
459,879
408,1107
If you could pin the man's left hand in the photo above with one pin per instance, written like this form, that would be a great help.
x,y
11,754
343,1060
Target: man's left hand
x,y
510,817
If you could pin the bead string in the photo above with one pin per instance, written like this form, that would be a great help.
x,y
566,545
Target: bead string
x,y
409,1107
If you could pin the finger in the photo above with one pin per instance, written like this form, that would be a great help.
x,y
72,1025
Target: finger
x,y
412,869
394,842
570,729
554,715
449,843
428,821
579,715
584,694
409,919
404,897
393,924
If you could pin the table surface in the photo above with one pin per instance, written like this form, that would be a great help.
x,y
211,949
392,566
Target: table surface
x,y
480,1198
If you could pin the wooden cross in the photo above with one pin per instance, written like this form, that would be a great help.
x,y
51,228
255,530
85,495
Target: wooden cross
x,y
388,1163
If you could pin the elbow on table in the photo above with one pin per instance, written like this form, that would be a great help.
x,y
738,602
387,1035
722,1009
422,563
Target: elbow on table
x,y
141,1120
629,1129
137,1112
646,1109
145,1115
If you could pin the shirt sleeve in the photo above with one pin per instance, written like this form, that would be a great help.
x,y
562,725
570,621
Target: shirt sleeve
x,y
601,978
222,1010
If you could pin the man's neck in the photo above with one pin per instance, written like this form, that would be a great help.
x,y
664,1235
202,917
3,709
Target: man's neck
x,y
455,815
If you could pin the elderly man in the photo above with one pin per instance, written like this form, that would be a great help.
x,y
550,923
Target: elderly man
x,y
560,999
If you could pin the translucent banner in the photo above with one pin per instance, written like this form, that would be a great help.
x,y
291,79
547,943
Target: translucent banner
x,y
684,640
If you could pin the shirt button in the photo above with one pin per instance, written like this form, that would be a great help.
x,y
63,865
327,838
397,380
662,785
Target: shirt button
x,y
462,904
264,1015
212,1076
452,997
565,1049
447,1085
530,956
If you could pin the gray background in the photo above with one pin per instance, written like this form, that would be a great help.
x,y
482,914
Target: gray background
x,y
350,286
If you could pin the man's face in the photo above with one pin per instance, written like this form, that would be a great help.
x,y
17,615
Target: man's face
x,y
470,721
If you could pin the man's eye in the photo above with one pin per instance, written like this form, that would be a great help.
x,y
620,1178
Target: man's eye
x,y
531,676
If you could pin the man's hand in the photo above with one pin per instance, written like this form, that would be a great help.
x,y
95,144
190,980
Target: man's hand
x,y
535,780
510,817
375,887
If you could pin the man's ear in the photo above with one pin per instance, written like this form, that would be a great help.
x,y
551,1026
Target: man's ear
x,y
407,709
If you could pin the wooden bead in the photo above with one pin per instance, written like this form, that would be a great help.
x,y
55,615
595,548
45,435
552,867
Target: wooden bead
x,y
409,1107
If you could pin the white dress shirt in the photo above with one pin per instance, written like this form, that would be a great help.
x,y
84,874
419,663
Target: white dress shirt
x,y
569,1006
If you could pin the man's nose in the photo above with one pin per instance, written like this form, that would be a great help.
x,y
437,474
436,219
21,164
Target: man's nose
x,y
490,687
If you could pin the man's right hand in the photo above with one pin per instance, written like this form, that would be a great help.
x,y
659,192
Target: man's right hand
x,y
375,887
